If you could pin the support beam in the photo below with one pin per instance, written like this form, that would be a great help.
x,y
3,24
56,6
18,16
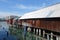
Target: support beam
x,y
36,31
43,33
47,36
39,32
51,36
57,37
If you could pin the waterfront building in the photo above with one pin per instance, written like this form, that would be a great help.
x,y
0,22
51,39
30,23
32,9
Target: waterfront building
x,y
44,22
12,19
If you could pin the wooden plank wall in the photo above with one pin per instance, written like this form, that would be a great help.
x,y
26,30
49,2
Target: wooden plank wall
x,y
45,24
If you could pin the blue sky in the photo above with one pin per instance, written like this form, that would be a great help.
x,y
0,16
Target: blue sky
x,y
20,7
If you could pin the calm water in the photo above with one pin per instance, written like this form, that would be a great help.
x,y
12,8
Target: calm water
x,y
13,33
4,32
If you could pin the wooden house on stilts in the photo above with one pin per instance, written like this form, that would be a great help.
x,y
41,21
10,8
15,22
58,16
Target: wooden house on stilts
x,y
44,22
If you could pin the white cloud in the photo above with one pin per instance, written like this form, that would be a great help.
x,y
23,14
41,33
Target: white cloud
x,y
21,6
4,14
26,7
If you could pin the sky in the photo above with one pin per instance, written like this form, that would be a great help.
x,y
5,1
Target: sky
x,y
20,7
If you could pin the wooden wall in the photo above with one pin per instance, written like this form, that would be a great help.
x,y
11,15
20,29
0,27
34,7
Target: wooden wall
x,y
53,25
50,25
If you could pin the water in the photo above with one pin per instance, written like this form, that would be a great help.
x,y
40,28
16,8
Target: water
x,y
21,35
14,33
4,32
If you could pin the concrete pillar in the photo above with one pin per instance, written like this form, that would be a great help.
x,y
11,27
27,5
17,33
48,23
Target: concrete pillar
x,y
51,36
57,38
47,37
43,33
36,31
39,32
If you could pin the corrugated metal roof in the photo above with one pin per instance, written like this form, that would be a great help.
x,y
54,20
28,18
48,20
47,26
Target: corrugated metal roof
x,y
48,12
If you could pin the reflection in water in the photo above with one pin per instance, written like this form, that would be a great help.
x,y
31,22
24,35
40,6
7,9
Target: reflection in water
x,y
4,32
22,34
14,33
